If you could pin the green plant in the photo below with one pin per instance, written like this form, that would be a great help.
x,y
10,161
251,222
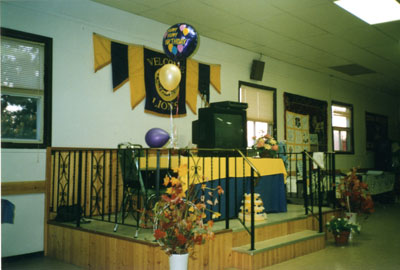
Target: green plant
x,y
337,225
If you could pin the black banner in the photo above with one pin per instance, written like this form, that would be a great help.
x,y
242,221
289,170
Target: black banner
x,y
158,99
119,64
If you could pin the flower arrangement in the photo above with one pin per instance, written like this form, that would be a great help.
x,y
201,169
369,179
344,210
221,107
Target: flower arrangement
x,y
354,195
266,146
178,222
337,225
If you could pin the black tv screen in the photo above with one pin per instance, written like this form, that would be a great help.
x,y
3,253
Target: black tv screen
x,y
220,128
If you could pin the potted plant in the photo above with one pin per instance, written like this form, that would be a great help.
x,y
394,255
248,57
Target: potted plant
x,y
341,229
354,196
266,146
179,214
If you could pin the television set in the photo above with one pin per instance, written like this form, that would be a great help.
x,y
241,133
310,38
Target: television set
x,y
223,125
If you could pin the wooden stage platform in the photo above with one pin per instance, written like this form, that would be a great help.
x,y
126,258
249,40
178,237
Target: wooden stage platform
x,y
96,246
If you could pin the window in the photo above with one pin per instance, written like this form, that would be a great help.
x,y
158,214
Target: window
x,y
261,117
25,90
342,127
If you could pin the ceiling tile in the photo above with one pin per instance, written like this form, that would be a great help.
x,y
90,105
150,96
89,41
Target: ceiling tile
x,y
249,10
294,6
127,5
161,15
255,33
232,40
329,17
201,13
290,26
389,52
365,36
391,29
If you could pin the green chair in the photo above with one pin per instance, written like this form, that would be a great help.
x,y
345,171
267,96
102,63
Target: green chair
x,y
135,189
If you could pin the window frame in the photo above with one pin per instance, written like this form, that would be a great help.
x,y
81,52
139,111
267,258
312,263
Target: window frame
x,y
350,130
47,95
267,88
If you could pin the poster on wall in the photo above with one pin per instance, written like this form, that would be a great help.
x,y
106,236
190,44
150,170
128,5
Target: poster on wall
x,y
317,112
297,132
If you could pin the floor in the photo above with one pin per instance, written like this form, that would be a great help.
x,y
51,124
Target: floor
x,y
377,247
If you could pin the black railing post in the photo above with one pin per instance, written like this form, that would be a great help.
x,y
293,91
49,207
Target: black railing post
x,y
78,218
53,189
319,199
227,192
333,180
311,183
158,176
305,197
252,229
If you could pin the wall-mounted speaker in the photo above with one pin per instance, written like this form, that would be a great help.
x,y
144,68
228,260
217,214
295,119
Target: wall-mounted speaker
x,y
257,70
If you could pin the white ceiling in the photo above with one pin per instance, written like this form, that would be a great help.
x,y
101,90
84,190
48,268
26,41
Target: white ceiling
x,y
314,34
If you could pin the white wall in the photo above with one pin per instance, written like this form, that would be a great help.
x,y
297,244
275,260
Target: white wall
x,y
86,112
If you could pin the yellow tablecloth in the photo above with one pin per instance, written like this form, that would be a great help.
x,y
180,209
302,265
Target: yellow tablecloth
x,y
213,168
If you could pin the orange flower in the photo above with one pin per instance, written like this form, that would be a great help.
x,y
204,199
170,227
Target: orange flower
x,y
166,180
189,226
216,215
182,170
220,190
175,181
181,239
260,143
210,223
200,206
198,239
158,234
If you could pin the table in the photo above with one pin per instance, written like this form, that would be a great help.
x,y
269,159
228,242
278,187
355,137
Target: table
x,y
212,172
379,181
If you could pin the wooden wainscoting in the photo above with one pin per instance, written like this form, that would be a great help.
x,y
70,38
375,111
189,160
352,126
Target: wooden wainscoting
x,y
23,187
98,251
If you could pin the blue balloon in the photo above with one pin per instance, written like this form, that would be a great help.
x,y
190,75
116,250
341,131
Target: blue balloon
x,y
156,137
179,41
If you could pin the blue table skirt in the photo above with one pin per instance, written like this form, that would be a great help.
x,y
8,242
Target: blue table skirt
x,y
271,189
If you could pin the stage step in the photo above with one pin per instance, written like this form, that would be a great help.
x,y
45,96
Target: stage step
x,y
277,250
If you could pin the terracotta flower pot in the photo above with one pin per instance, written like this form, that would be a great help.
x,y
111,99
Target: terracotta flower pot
x,y
341,238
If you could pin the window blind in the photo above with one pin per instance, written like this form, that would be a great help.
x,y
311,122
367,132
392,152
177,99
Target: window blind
x,y
260,103
22,64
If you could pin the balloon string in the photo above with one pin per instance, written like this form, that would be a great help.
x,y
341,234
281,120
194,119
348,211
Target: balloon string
x,y
171,125
177,98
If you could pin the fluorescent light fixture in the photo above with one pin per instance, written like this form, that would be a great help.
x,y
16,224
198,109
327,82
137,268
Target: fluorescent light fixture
x,y
372,11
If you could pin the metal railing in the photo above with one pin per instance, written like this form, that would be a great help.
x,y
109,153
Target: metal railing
x,y
88,183
314,172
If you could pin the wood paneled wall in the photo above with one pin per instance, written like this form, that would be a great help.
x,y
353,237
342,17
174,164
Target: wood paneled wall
x,y
96,251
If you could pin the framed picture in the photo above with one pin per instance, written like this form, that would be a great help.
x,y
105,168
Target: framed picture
x,y
317,111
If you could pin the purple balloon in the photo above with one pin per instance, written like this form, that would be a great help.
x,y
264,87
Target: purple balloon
x,y
156,137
